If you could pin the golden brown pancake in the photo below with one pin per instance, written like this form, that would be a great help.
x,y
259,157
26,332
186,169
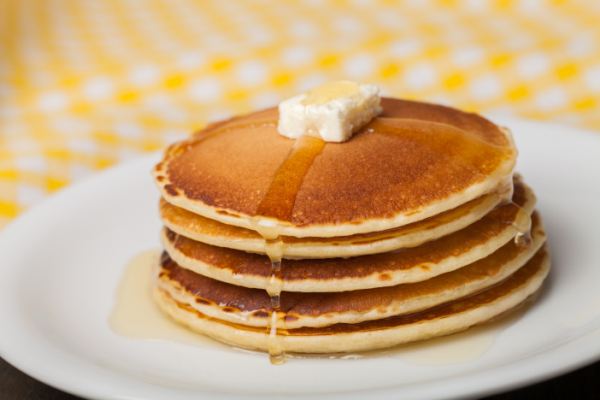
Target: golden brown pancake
x,y
448,253
251,307
216,233
414,161
382,333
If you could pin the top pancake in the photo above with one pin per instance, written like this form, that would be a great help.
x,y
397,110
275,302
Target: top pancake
x,y
414,161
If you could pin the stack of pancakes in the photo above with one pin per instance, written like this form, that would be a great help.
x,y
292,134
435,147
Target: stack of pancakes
x,y
414,228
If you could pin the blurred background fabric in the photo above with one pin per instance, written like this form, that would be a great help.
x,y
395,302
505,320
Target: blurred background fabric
x,y
88,83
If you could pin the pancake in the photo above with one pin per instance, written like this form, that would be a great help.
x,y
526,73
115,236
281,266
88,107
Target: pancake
x,y
216,233
414,161
251,307
376,334
451,252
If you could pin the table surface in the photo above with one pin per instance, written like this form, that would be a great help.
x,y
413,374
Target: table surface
x,y
582,384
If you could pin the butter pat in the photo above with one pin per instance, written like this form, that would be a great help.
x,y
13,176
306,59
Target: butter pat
x,y
332,111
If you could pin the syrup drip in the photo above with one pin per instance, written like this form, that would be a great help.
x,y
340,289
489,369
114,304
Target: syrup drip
x,y
275,248
278,204
281,196
521,222
275,339
524,240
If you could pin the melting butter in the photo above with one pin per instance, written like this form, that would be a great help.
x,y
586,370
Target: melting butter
x,y
332,111
323,94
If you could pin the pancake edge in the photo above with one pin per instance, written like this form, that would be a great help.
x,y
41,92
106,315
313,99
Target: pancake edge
x,y
361,341
348,246
417,273
405,307
223,215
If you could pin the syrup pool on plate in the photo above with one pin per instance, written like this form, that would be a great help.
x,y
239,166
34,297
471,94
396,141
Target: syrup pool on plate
x,y
135,314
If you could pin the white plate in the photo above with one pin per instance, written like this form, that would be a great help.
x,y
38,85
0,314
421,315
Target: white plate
x,y
62,262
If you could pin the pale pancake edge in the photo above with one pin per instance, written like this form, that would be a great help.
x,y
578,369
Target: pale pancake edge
x,y
454,317
446,254
252,306
216,233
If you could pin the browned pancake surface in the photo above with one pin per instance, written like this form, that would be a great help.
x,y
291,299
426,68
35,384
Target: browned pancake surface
x,y
414,155
469,122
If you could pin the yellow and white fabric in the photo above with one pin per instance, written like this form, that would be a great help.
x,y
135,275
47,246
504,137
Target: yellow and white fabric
x,y
87,83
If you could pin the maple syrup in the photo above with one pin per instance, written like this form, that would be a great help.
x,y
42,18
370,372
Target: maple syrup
x,y
278,205
521,221
135,314
323,94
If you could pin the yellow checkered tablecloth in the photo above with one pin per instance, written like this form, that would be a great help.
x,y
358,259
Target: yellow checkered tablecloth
x,y
87,83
